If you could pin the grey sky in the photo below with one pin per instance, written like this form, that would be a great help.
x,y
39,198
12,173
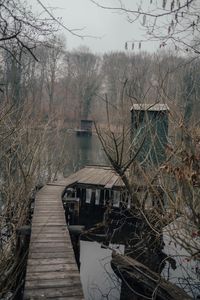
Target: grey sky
x,y
111,30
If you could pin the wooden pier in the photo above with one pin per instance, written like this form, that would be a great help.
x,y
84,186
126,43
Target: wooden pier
x,y
52,271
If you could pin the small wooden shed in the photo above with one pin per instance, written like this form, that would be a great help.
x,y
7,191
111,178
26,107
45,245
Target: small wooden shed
x,y
97,187
150,129
85,127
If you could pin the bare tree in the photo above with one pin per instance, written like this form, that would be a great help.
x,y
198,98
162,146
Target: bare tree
x,y
54,50
164,21
84,71
20,28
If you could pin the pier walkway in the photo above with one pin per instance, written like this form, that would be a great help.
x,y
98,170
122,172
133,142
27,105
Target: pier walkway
x,y
52,272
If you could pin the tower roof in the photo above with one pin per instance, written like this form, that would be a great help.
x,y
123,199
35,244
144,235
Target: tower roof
x,y
150,107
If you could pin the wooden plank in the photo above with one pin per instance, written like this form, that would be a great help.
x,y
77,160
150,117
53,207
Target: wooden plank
x,y
53,216
46,224
47,235
59,239
52,275
40,211
52,225
49,229
42,208
37,244
46,197
46,241
52,261
50,245
49,215
52,268
38,255
50,250
50,283
40,239
51,293
53,238
44,238
49,221
48,210
45,229
51,207
48,203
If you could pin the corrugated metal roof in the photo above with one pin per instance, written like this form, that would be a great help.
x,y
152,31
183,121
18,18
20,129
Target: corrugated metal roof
x,y
103,176
150,107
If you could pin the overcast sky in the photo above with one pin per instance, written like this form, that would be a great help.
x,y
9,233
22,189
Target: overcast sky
x,y
110,30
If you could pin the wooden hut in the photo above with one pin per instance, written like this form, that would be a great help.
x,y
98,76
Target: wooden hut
x,y
150,131
97,187
85,128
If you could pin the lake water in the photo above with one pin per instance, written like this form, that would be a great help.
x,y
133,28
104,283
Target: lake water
x,y
98,279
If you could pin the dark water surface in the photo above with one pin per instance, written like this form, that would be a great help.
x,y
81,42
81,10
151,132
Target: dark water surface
x,y
82,151
98,279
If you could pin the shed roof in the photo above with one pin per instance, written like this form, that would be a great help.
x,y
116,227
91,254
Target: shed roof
x,y
86,121
150,107
101,176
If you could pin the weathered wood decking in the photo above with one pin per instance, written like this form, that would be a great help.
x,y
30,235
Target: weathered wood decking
x,y
52,272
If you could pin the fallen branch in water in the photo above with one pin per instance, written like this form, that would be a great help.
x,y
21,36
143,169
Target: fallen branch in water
x,y
140,279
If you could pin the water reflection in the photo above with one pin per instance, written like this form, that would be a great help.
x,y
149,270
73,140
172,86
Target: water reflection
x,y
98,279
81,151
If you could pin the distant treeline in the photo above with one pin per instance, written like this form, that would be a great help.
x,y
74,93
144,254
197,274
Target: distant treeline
x,y
73,85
